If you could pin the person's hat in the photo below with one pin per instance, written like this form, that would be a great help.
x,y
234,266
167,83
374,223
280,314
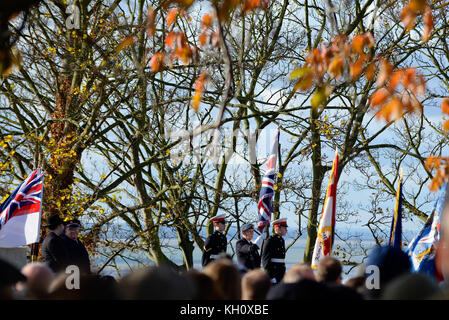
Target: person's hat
x,y
10,274
54,221
247,227
280,222
74,223
218,218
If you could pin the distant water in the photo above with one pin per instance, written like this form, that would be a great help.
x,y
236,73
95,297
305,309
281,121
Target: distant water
x,y
294,255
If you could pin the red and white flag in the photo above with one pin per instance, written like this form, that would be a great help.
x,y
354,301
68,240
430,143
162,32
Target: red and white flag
x,y
325,235
20,214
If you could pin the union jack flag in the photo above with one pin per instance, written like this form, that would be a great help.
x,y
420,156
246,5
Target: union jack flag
x,y
267,189
20,213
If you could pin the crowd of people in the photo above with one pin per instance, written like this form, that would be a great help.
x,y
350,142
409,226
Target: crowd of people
x,y
249,276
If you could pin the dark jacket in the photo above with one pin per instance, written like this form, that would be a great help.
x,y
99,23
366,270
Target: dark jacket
x,y
274,248
247,254
54,252
78,254
215,244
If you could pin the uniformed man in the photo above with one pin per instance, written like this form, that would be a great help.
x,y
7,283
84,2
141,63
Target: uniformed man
x,y
78,254
247,251
273,255
216,243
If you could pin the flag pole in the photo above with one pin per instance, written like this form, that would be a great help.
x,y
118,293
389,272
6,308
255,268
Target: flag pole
x,y
35,246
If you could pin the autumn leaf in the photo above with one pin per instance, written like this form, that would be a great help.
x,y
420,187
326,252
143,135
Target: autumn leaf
x,y
411,11
320,96
379,97
371,71
151,25
171,16
418,5
428,25
157,62
202,39
445,106
184,53
355,69
170,39
300,72
358,43
206,22
199,89
396,78
392,110
446,125
442,173
225,9
385,71
304,83
336,67
128,41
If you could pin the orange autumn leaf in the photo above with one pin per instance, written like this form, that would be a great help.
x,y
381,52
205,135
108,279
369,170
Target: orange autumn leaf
x,y
199,89
445,106
418,5
371,71
206,22
336,66
428,25
409,77
358,43
441,164
446,125
171,39
304,83
151,25
411,11
157,62
250,5
385,71
171,16
392,110
128,41
379,97
184,53
396,78
202,39
355,69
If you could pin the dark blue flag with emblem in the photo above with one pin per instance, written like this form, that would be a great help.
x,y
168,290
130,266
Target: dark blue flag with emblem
x,y
422,249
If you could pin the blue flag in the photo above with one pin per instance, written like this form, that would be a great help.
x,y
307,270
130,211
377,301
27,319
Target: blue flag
x,y
422,249
396,222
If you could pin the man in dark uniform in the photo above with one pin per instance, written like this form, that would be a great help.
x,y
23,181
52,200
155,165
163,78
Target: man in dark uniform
x,y
273,255
54,251
247,251
216,243
78,254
